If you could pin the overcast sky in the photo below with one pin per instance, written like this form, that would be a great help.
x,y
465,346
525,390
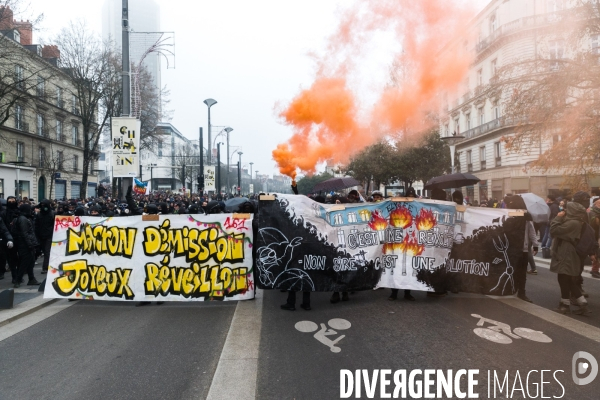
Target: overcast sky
x,y
250,56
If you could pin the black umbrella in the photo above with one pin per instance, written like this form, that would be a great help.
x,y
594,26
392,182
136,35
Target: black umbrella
x,y
336,183
451,181
233,204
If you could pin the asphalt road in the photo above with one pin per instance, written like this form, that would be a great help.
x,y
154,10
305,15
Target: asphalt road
x,y
113,350
100,350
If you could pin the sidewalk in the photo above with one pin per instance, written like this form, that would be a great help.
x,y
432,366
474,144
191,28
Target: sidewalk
x,y
545,263
27,298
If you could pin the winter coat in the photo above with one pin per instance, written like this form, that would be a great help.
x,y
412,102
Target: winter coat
x,y
554,210
44,225
530,237
5,233
565,231
595,220
25,233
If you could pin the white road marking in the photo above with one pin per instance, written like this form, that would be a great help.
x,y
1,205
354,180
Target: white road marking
x,y
26,307
19,325
236,373
576,326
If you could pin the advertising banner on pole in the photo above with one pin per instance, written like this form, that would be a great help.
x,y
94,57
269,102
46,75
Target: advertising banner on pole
x,y
125,140
152,258
209,178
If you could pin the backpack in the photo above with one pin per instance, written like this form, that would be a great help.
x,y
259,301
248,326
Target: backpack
x,y
587,243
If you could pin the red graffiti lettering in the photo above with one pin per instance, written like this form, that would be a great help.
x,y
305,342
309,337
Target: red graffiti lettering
x,y
235,223
66,222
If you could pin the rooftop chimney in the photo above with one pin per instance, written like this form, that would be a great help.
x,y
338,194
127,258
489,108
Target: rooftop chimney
x,y
50,51
6,18
26,30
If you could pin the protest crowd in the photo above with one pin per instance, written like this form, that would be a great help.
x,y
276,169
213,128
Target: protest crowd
x,y
569,238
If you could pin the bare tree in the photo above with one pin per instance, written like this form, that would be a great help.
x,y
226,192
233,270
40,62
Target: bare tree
x,y
19,68
553,98
188,160
54,161
95,73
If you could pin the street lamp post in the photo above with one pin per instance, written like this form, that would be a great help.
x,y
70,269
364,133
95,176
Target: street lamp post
x,y
452,140
219,169
251,182
240,173
209,103
228,130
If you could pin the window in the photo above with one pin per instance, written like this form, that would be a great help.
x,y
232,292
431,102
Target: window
x,y
595,44
494,67
456,126
160,148
556,49
469,161
481,113
19,117
59,102
480,77
19,77
74,104
75,163
497,153
40,89
59,130
59,159
556,139
493,24
447,130
74,134
555,5
496,110
20,151
41,124
468,119
482,160
42,155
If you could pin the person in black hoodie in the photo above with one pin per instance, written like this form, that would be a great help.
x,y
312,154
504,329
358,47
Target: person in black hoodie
x,y
12,257
26,244
290,304
8,242
44,227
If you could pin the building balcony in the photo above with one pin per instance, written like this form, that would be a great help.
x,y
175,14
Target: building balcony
x,y
517,25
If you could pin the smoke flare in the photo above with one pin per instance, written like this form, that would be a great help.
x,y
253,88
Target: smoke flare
x,y
326,118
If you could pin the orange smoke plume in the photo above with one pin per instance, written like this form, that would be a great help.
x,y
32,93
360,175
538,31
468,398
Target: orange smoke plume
x,y
326,119
426,220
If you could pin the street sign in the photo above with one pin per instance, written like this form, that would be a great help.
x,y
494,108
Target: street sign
x,y
125,142
209,178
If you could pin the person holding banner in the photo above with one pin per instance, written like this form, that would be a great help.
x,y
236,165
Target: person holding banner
x,y
290,304
517,203
377,197
26,244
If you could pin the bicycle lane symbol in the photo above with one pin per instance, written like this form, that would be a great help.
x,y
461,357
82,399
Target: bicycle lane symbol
x,y
499,332
322,333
